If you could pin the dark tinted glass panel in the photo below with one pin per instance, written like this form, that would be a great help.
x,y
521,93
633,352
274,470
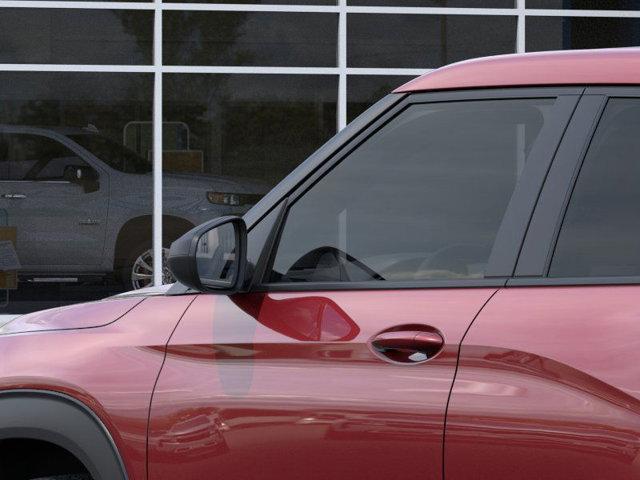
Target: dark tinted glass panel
x,y
229,138
557,33
268,2
76,221
421,199
426,41
437,3
29,157
586,4
97,0
600,233
74,36
364,90
113,153
250,38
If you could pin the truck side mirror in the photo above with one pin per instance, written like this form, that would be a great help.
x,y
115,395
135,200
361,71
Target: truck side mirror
x,y
82,175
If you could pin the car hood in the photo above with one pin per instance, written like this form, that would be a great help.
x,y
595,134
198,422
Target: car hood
x,y
72,317
146,292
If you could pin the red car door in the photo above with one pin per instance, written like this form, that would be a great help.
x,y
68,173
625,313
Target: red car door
x,y
339,361
548,383
284,385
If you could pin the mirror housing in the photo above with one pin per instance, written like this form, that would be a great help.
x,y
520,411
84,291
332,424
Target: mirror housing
x,y
212,256
82,175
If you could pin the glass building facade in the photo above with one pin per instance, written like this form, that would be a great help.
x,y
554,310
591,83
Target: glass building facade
x,y
124,124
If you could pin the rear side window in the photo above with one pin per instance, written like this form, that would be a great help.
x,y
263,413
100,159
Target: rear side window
x,y
421,199
600,235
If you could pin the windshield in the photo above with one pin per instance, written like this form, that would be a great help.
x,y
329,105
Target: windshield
x,y
113,154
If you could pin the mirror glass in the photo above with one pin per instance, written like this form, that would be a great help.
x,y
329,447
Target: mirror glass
x,y
216,256
71,173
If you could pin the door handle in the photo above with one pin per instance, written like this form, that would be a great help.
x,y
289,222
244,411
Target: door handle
x,y
14,196
407,346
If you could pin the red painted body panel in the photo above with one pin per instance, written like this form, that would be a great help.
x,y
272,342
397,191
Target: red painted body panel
x,y
284,385
620,66
86,315
548,386
110,369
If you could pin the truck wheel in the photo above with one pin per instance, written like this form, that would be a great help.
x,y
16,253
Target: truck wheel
x,y
138,270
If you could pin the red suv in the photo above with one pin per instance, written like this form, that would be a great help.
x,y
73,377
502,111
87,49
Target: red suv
x,y
448,288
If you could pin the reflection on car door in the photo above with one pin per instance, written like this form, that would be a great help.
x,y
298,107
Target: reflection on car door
x,y
340,363
60,224
285,385
548,384
547,387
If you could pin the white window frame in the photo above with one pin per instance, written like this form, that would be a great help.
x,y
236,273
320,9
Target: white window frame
x,y
342,71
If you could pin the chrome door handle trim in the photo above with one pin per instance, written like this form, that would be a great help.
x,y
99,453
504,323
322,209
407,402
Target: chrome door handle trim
x,y
409,346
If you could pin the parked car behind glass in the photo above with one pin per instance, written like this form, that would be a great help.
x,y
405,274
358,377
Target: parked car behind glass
x,y
82,203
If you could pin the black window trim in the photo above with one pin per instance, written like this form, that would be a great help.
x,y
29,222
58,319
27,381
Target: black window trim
x,y
515,222
540,243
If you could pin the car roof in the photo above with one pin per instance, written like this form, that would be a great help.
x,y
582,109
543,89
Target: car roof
x,y
611,66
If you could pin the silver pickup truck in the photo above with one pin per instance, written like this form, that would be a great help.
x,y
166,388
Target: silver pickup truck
x,y
82,203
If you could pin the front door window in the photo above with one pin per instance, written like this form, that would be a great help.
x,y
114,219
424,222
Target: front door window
x,y
422,199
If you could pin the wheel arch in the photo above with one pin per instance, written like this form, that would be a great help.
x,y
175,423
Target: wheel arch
x,y
63,421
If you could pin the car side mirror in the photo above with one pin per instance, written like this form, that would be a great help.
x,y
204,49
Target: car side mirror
x,y
82,175
212,256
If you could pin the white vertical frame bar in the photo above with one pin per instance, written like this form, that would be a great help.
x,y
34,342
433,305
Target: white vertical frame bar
x,y
157,144
521,45
342,64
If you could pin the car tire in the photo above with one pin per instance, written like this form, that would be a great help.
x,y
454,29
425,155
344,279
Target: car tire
x,y
138,272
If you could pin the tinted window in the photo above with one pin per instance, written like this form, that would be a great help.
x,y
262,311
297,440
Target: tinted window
x,y
269,2
586,4
435,3
76,36
54,168
564,33
425,41
601,230
365,90
35,157
257,127
250,38
423,198
4,157
114,154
